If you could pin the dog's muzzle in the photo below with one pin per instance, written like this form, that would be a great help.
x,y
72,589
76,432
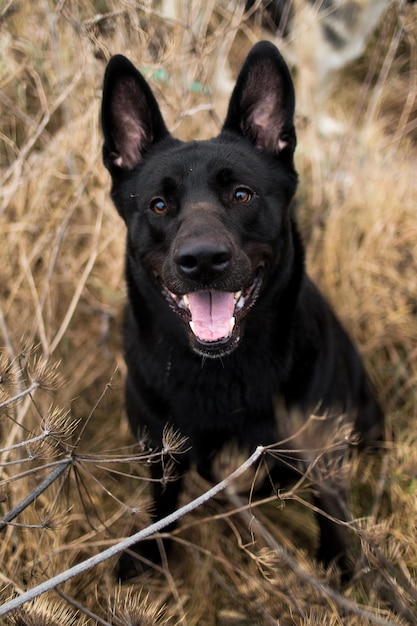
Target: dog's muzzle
x,y
214,317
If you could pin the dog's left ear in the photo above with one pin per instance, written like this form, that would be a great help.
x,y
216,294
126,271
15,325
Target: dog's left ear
x,y
262,104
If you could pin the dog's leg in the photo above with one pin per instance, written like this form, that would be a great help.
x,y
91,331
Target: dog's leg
x,y
165,497
369,423
335,538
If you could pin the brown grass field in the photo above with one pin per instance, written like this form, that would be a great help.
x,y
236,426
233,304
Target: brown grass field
x,y
61,301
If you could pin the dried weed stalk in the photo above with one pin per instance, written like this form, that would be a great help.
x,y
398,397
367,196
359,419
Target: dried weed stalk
x,y
64,495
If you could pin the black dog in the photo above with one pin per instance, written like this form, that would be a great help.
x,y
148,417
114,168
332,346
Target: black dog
x,y
222,318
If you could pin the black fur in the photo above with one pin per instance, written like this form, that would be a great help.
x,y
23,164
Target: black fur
x,y
210,218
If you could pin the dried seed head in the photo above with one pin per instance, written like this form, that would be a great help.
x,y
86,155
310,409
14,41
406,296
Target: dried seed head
x,y
27,349
137,610
57,428
46,375
9,372
58,424
43,612
53,519
142,439
169,472
319,443
172,441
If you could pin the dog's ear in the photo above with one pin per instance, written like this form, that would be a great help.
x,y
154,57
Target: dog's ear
x,y
262,104
130,115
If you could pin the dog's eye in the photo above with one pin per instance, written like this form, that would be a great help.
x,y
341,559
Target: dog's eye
x,y
243,195
159,206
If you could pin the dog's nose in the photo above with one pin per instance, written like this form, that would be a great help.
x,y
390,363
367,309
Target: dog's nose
x,y
203,260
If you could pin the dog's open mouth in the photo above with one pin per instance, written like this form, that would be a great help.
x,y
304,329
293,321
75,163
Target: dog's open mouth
x,y
214,316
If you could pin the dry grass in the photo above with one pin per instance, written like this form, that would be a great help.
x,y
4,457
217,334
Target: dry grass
x,y
62,293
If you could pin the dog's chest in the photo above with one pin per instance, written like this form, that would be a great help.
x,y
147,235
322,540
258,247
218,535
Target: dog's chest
x,y
233,396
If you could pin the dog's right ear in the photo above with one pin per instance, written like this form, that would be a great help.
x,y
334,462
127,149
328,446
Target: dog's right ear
x,y
130,115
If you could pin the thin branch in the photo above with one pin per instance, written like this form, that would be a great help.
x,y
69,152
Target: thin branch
x,y
80,286
26,392
133,539
378,88
28,442
29,472
100,398
307,577
98,482
13,172
81,608
23,504
5,335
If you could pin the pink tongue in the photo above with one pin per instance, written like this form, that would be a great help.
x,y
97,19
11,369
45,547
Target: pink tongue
x,y
211,314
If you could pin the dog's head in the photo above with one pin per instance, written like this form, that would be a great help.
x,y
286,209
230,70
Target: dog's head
x,y
208,221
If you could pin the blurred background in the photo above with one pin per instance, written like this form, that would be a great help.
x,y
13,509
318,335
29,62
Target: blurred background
x,y
62,294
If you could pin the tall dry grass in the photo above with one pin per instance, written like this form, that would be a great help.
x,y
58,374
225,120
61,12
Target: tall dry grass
x,y
71,481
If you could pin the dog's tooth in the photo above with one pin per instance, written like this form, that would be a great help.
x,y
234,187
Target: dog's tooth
x,y
232,323
237,295
192,326
240,302
186,301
